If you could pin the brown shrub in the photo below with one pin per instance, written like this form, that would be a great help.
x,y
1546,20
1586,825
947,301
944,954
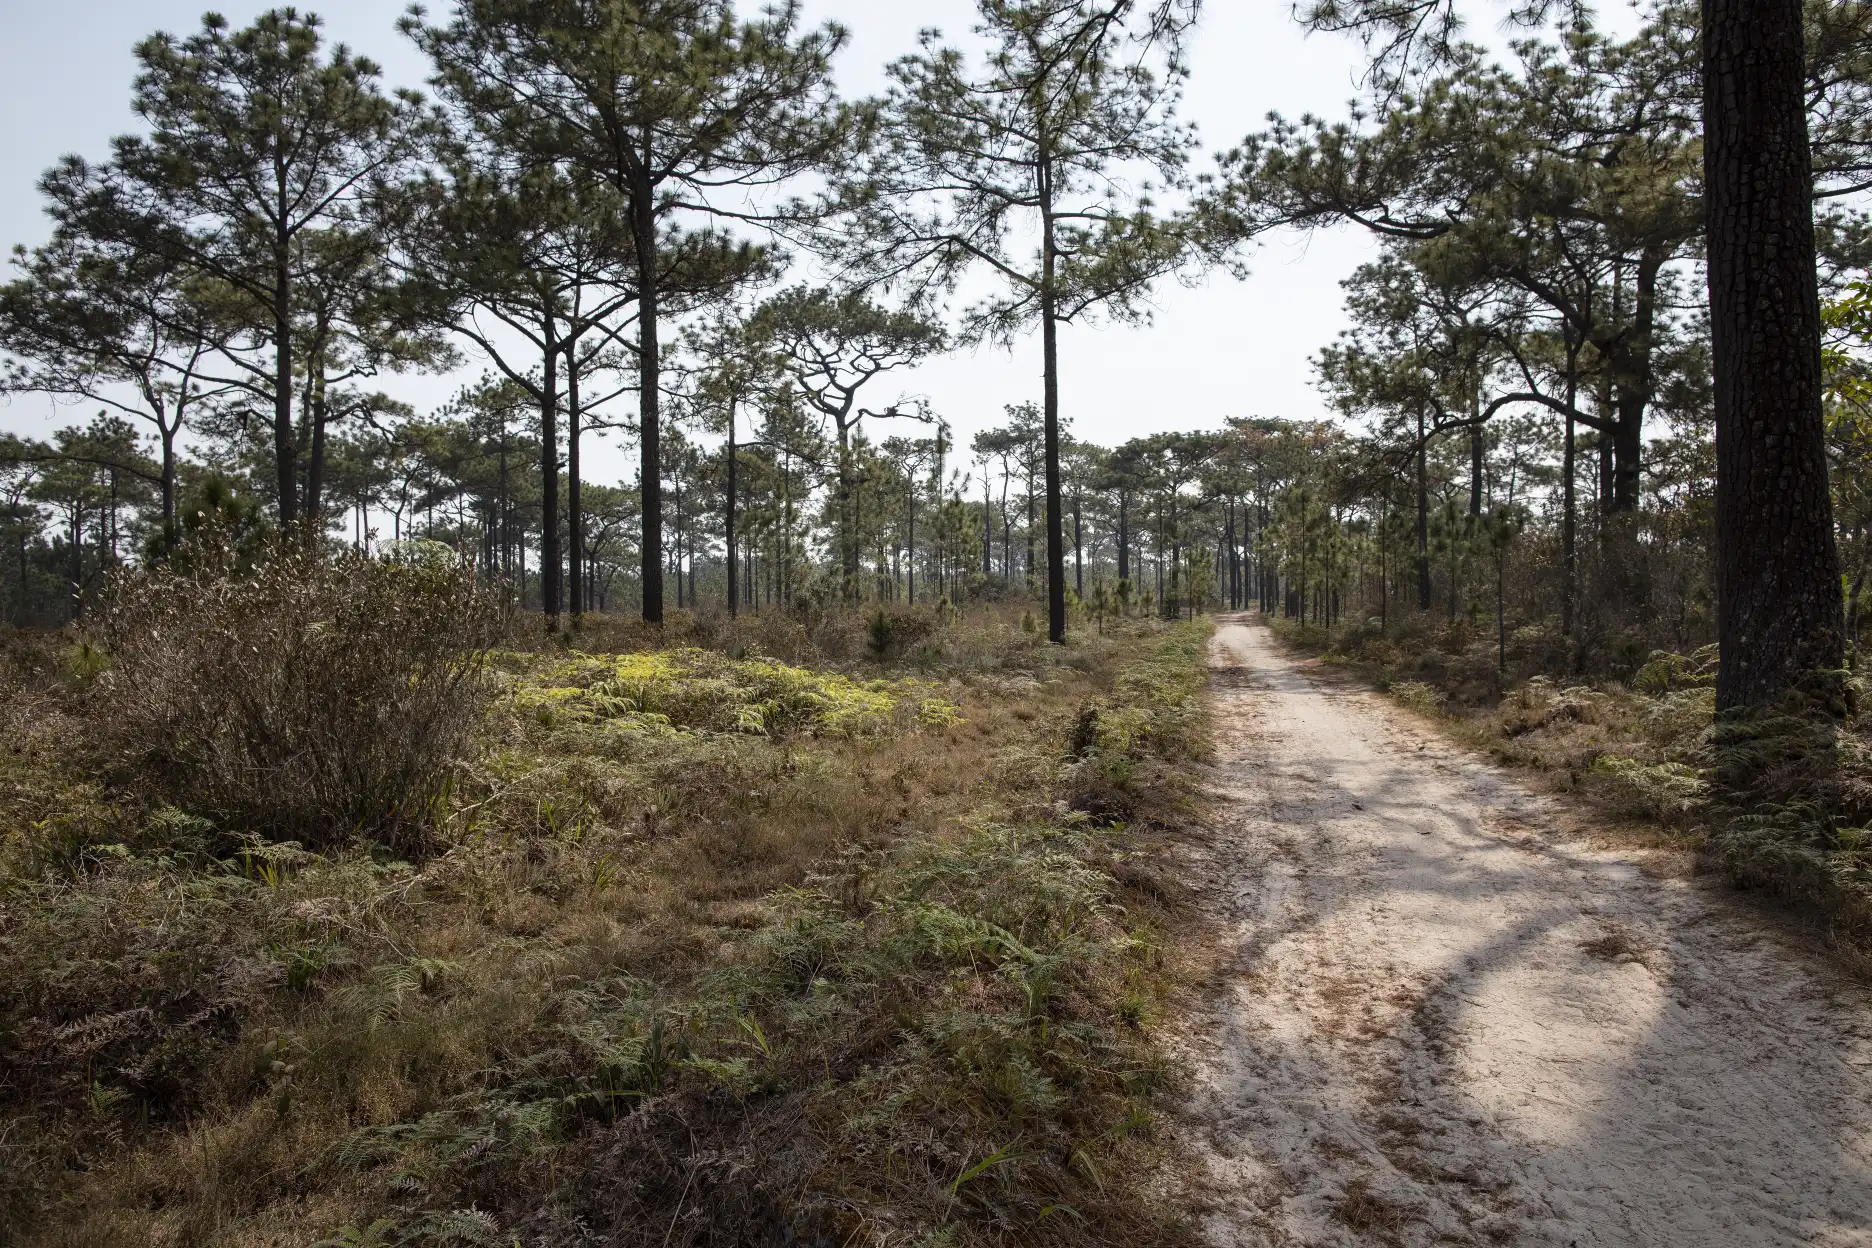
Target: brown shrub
x,y
309,697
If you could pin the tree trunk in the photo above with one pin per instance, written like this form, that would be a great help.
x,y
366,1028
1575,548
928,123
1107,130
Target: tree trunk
x,y
1049,336
1777,566
575,516
987,527
1029,565
550,553
505,536
1124,535
315,469
1607,474
1234,565
285,447
77,562
855,556
1423,517
1569,508
1078,550
169,480
1636,374
1007,540
1475,470
734,596
847,509
650,448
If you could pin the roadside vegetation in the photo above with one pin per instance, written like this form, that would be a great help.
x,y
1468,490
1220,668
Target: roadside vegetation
x,y
765,935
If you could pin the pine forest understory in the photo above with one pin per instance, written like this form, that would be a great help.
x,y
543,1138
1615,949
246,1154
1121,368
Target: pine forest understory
x,y
870,820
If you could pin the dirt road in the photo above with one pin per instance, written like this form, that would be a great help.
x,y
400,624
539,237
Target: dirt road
x,y
1447,1024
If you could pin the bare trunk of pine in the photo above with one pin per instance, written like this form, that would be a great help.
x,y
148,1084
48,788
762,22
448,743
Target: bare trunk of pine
x,y
550,554
575,517
734,596
1777,566
649,414
1423,517
285,446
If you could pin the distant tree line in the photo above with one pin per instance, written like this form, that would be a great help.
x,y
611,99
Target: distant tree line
x,y
1594,333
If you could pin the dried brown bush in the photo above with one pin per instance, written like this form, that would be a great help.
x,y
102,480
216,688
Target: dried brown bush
x,y
306,697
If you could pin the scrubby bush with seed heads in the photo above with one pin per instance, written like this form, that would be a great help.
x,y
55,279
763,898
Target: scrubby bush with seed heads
x,y
304,696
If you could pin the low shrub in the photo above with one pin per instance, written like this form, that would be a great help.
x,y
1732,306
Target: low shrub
x,y
705,691
892,631
306,697
1667,792
1154,716
1418,696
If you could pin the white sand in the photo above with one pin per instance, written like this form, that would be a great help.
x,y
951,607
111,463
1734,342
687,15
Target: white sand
x,y
1446,1023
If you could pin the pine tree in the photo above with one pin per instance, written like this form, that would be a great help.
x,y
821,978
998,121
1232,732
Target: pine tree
x,y
677,105
261,172
1073,101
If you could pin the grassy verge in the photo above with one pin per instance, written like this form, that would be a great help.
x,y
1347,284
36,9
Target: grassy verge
x,y
709,947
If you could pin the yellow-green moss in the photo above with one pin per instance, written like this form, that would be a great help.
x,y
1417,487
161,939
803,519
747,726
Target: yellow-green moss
x,y
704,691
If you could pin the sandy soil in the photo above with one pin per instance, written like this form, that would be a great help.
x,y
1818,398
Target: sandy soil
x,y
1447,1023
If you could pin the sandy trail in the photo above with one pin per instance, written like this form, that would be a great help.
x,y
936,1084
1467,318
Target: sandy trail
x,y
1447,1024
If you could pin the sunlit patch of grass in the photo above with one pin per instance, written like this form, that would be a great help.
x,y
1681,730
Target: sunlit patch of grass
x,y
703,691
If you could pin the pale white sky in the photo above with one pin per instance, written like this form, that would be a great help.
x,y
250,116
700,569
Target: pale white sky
x,y
1222,348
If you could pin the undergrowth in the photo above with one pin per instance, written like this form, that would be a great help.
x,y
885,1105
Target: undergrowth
x,y
702,946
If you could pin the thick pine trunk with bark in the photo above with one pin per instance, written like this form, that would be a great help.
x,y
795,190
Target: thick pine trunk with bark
x,y
575,516
1777,567
649,412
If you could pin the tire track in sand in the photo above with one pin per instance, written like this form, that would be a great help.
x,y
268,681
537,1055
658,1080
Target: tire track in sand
x,y
1443,1023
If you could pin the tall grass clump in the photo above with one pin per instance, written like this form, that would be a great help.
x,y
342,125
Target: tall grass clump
x,y
303,696
1128,748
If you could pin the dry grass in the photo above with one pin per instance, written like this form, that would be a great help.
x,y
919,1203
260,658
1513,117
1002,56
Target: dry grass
x,y
661,981
1618,944
1369,1213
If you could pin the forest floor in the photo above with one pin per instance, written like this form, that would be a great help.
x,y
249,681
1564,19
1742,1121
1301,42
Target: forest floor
x,y
1449,1014
807,928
